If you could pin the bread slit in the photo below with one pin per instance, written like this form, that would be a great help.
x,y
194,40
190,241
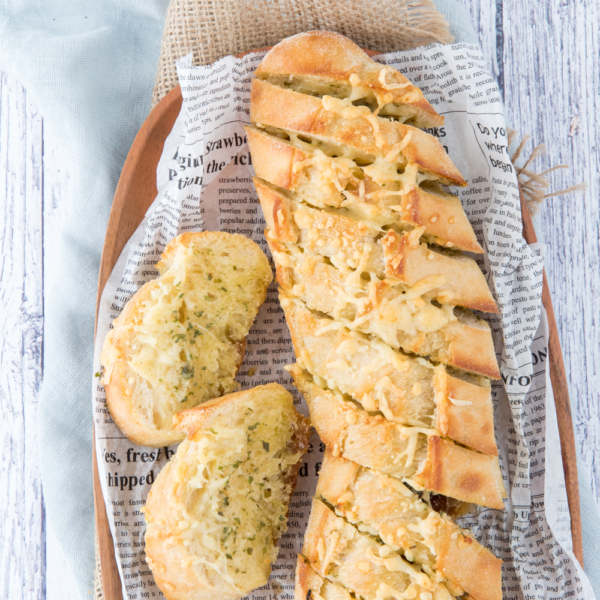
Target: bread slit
x,y
336,121
404,389
327,177
384,507
404,317
326,63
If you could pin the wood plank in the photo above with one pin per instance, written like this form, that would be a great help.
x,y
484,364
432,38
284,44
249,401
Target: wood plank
x,y
551,77
60,581
22,559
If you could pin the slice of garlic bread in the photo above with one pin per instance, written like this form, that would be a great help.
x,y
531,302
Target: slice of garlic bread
x,y
216,510
181,339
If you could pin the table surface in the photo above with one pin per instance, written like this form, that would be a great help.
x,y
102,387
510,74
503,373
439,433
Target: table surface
x,y
546,57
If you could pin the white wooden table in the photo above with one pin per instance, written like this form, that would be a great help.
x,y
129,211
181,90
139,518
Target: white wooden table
x,y
545,55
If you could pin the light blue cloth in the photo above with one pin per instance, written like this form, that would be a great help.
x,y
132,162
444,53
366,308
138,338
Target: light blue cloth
x,y
90,67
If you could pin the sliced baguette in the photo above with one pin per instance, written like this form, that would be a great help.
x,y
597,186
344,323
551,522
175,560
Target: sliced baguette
x,y
405,390
386,508
322,181
413,454
216,510
352,243
181,338
323,62
339,552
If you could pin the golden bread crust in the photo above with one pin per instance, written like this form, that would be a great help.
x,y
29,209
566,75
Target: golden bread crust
x,y
330,57
460,473
272,106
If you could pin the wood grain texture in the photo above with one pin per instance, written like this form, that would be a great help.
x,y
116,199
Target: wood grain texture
x,y
546,56
22,559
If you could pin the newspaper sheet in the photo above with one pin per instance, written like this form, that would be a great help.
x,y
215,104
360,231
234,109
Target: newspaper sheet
x,y
204,184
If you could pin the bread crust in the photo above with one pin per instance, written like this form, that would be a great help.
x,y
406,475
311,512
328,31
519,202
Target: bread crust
x,y
438,465
128,393
281,164
331,57
272,106
379,503
173,570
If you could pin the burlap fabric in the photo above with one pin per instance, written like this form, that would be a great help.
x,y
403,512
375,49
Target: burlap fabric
x,y
211,29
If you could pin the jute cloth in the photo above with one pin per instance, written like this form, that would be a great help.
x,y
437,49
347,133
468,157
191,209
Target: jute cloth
x,y
212,29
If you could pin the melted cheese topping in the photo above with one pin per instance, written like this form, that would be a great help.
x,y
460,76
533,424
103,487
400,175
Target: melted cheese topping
x,y
230,493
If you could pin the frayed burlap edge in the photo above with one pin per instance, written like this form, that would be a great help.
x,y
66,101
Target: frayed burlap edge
x,y
535,185
211,29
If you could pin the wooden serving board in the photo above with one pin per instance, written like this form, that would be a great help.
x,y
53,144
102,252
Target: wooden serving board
x,y
135,193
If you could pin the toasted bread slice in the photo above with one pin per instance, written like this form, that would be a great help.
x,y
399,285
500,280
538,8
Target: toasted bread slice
x,y
386,508
326,63
353,244
338,551
216,510
387,145
322,180
403,317
405,390
180,340
413,454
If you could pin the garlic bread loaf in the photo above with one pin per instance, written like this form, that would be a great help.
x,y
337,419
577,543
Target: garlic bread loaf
x,y
386,508
379,298
216,510
181,338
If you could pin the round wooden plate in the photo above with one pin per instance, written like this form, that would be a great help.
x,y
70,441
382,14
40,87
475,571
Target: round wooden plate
x,y
135,193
